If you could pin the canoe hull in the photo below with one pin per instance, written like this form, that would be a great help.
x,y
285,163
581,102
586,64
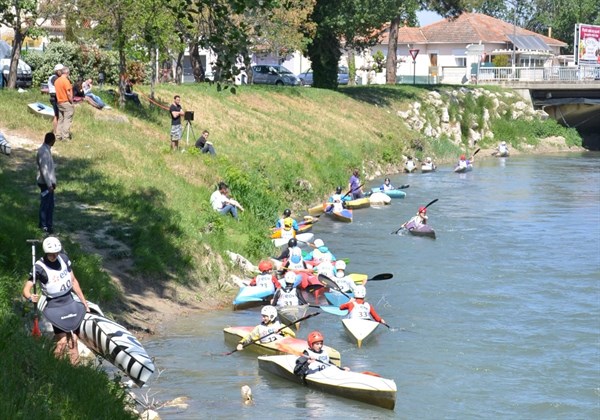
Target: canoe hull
x,y
41,109
359,203
252,296
391,193
289,314
356,386
301,238
285,345
378,198
114,343
344,216
303,227
359,330
428,168
422,230
463,169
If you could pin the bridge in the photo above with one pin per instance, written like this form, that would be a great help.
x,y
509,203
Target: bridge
x,y
570,95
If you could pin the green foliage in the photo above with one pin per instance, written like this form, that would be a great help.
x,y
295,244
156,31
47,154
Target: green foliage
x,y
45,387
378,61
501,60
84,61
520,131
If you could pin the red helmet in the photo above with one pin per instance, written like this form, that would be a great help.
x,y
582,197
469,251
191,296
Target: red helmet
x,y
462,157
422,210
265,266
313,337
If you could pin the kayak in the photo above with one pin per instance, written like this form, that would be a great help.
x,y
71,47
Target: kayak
x,y
422,230
463,169
303,227
301,238
379,198
365,387
41,109
501,154
391,193
359,203
336,298
251,296
316,210
341,216
359,329
289,314
283,345
428,167
114,343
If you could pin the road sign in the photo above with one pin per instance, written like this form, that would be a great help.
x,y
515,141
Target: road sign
x,y
413,54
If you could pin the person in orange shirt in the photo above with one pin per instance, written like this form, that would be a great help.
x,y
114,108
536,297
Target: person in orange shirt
x,y
64,99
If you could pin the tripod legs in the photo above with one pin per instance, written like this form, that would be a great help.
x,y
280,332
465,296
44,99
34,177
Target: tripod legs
x,y
188,127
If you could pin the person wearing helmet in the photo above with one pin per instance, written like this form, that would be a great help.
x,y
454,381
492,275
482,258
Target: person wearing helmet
x,y
345,283
409,165
464,162
314,358
270,329
286,253
287,223
266,279
355,186
419,220
359,308
387,185
502,149
338,197
320,254
54,273
288,294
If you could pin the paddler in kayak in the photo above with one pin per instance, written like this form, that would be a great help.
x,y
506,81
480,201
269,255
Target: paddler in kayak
x,y
419,220
266,331
464,162
57,280
345,283
387,185
266,279
286,253
320,254
358,308
288,294
287,218
314,358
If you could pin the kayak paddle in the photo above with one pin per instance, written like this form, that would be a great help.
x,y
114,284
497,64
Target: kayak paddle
x,y
274,332
400,228
36,326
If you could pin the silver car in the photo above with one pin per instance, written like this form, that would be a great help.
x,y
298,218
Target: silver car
x,y
266,74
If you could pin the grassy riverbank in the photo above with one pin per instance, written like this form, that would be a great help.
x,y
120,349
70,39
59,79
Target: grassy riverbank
x,y
135,217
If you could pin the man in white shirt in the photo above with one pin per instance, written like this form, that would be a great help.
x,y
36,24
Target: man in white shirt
x,y
220,201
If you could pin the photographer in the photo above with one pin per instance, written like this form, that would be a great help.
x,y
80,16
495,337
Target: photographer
x,y
176,128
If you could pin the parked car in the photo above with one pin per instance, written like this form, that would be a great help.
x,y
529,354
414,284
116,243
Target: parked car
x,y
24,73
343,76
273,75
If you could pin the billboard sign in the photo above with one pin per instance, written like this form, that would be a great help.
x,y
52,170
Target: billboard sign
x,y
587,44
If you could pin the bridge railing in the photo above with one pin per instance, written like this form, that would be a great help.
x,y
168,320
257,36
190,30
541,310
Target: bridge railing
x,y
539,74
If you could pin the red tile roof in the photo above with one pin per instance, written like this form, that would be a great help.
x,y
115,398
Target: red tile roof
x,y
468,28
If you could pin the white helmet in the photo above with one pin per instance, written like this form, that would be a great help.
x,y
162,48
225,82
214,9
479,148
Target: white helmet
x,y
325,268
503,143
319,243
51,245
360,292
340,265
428,160
270,312
289,278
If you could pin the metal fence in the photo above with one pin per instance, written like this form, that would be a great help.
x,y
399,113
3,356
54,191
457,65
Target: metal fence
x,y
539,74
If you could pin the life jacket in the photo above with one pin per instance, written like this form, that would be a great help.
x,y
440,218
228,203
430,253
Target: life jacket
x,y
59,281
295,266
360,311
288,298
265,281
287,234
264,330
316,366
322,256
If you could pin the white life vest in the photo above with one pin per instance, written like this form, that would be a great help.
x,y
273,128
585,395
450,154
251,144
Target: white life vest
x,y
265,281
462,163
326,268
410,165
337,206
287,298
295,266
346,283
59,281
264,330
502,148
387,187
288,234
316,366
322,256
361,311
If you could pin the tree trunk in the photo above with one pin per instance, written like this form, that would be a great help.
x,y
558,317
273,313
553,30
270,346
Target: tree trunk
x,y
197,68
392,53
153,60
14,59
179,68
351,68
123,78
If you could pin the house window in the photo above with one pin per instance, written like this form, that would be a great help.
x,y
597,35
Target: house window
x,y
433,59
461,61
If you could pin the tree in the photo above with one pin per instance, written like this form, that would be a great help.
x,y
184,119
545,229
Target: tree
x,y
407,12
25,18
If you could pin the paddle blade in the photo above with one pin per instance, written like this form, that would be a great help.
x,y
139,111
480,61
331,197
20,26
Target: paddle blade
x,y
382,276
401,187
431,202
35,331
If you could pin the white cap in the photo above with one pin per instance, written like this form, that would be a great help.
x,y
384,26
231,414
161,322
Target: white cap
x,y
319,243
58,67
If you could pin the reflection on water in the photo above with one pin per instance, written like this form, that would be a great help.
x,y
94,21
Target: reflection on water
x,y
498,317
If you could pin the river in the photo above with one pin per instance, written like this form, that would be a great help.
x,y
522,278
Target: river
x,y
497,318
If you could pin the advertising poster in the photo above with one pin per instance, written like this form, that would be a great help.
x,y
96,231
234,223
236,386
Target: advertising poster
x,y
587,44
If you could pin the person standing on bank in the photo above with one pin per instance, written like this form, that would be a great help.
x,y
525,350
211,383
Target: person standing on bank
x,y
52,92
46,180
176,128
64,98
57,281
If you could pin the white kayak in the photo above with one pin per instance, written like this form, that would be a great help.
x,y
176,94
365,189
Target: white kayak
x,y
114,343
4,145
359,329
366,387
302,238
42,109
379,198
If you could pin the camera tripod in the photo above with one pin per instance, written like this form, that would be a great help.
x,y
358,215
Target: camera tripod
x,y
188,127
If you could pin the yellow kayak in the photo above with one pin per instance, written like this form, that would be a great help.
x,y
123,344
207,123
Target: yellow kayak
x,y
359,203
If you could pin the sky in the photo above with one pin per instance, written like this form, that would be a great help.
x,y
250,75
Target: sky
x,y
427,17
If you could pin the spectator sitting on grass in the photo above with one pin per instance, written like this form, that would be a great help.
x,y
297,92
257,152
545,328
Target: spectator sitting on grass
x,y
204,145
